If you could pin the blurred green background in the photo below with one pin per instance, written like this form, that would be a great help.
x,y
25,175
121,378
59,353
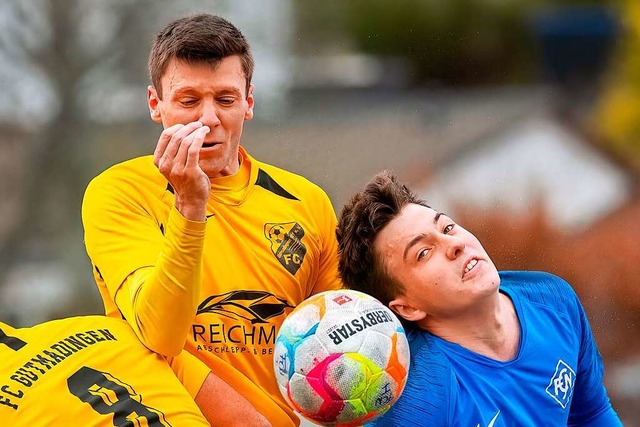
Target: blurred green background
x,y
520,118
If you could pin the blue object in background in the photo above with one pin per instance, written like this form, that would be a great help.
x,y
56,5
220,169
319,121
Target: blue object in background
x,y
576,42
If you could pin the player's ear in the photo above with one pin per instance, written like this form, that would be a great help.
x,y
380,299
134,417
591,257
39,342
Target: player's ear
x,y
407,311
153,102
248,115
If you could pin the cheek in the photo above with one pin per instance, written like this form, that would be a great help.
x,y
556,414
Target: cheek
x,y
171,118
234,119
440,277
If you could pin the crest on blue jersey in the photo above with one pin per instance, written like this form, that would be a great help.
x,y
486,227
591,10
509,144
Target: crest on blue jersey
x,y
286,244
561,386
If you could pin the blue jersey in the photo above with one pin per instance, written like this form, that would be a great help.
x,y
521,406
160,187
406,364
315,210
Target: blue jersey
x,y
554,380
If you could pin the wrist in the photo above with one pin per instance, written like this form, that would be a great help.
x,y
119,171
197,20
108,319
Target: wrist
x,y
192,211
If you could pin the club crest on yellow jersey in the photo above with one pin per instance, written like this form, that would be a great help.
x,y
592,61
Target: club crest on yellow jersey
x,y
286,244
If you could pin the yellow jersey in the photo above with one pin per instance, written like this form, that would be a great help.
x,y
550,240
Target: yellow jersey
x,y
90,371
268,243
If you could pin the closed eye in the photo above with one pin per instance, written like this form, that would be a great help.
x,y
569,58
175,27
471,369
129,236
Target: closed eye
x,y
226,100
188,102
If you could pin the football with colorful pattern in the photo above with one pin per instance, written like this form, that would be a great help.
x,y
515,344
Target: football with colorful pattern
x,y
341,358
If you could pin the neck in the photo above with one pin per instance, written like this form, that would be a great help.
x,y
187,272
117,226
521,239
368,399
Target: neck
x,y
493,330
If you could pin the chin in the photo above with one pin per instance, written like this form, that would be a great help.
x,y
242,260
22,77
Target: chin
x,y
495,279
212,168
490,279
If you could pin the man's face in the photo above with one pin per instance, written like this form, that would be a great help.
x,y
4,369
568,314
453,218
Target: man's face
x,y
215,96
443,267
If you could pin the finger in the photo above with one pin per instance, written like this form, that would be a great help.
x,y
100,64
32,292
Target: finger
x,y
193,155
176,141
186,143
173,145
163,141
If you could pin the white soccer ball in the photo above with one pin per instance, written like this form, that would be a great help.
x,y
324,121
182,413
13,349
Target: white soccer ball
x,y
341,358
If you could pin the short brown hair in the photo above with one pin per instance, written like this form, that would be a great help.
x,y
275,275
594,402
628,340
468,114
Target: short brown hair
x,y
361,220
198,38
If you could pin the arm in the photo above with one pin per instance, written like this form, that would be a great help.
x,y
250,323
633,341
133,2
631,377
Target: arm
x,y
590,406
224,406
216,391
160,302
153,280
327,278
148,267
221,404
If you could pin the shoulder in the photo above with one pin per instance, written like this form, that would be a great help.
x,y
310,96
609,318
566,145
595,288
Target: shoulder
x,y
429,365
296,185
538,287
89,330
139,168
69,325
135,176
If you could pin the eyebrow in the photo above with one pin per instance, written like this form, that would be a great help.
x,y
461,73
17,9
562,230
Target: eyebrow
x,y
220,91
413,241
418,237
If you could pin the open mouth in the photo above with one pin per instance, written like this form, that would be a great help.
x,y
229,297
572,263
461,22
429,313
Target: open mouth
x,y
469,266
210,144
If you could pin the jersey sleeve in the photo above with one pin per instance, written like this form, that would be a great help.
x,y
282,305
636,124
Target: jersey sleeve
x,y
190,370
590,406
328,261
152,274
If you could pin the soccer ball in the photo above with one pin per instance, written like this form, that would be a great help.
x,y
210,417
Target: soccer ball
x,y
276,233
341,358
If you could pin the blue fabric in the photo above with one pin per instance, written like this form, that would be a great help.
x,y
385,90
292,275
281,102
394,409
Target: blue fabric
x,y
554,380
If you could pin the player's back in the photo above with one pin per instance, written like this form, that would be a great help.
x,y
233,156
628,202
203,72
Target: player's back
x,y
90,371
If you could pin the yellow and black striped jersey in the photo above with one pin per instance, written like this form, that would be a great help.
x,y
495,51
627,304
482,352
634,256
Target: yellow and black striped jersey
x,y
90,371
269,242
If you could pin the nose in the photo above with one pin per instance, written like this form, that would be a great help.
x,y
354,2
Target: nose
x,y
455,247
209,115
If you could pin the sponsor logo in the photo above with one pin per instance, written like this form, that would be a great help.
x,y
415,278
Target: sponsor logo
x,y
286,244
256,307
342,299
560,387
345,331
493,420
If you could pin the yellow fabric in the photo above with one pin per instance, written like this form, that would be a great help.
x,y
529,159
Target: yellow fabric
x,y
177,259
267,247
190,371
42,382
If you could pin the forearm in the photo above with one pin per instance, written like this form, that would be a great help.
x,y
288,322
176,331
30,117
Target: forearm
x,y
224,406
221,404
160,302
